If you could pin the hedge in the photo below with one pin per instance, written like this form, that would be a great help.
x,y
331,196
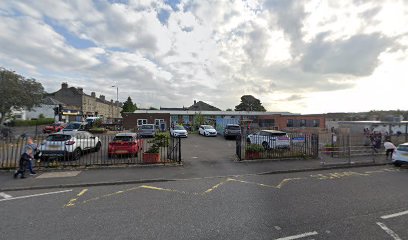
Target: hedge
x,y
41,121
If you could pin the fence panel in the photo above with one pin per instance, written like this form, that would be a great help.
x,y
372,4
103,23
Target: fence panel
x,y
96,150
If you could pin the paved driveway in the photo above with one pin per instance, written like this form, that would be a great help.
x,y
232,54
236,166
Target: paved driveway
x,y
207,150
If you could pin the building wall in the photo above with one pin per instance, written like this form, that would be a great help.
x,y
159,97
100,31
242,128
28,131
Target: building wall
x,y
130,119
282,121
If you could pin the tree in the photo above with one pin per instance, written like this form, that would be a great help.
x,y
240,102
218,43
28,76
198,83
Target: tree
x,y
250,103
128,106
229,110
153,108
17,92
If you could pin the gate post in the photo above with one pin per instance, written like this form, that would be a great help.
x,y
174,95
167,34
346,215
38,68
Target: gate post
x,y
179,150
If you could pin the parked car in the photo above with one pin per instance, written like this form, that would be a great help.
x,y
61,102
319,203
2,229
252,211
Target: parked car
x,y
147,130
125,144
76,126
232,130
69,145
207,130
178,131
55,127
270,139
400,155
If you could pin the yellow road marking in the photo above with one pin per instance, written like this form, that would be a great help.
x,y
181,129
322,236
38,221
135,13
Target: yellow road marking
x,y
280,185
111,194
216,186
284,181
378,171
162,189
72,202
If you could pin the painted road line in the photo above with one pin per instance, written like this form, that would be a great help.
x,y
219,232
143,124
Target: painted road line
x,y
3,195
284,181
217,186
34,195
162,189
303,235
71,202
389,231
395,215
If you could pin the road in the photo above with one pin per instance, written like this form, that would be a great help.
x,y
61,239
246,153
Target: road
x,y
361,203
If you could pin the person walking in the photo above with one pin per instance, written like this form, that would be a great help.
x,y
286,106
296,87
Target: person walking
x,y
389,149
27,156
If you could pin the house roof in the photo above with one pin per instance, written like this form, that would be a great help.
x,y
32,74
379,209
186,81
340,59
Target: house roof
x,y
51,101
217,113
202,106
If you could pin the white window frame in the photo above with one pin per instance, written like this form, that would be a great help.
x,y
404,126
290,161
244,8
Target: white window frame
x,y
158,123
141,121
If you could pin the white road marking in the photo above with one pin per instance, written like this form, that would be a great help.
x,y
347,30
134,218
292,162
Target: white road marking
x,y
298,236
395,215
34,195
3,195
389,231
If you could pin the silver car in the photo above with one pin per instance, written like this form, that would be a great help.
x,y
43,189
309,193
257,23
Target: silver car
x,y
147,130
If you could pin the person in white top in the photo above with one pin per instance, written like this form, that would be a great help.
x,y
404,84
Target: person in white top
x,y
389,148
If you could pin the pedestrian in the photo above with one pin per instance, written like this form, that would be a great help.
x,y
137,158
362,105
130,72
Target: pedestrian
x,y
27,156
389,149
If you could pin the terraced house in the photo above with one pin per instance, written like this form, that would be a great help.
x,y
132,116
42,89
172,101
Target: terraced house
x,y
77,105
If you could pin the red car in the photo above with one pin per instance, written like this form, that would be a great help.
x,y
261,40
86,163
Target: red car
x,y
125,144
55,127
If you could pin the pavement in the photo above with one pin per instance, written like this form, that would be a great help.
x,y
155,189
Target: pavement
x,y
190,169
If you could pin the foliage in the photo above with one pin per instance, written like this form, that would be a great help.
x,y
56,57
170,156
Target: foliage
x,y
98,123
41,121
18,92
250,103
160,140
229,110
254,148
128,106
153,108
97,130
41,116
198,120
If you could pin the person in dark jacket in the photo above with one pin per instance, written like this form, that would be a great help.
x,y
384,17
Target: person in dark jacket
x,y
27,156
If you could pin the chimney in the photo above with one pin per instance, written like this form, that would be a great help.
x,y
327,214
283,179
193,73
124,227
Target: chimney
x,y
80,90
102,97
64,85
93,94
195,102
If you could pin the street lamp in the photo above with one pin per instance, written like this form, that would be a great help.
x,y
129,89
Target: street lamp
x,y
117,93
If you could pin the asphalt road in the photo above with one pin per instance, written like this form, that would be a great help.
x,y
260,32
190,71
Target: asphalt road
x,y
364,203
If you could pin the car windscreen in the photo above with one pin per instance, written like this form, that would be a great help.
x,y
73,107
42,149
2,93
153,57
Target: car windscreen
x,y
58,137
403,148
147,127
122,138
208,127
73,126
179,128
233,127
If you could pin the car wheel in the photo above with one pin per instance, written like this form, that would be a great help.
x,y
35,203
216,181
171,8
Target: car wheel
x,y
397,163
98,147
76,155
206,134
265,145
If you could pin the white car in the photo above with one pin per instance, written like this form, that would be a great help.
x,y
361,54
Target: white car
x,y
178,131
270,139
400,155
207,130
69,145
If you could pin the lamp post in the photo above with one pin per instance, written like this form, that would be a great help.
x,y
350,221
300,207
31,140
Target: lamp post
x,y
117,93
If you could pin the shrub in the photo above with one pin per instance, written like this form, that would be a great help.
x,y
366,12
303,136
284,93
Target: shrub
x,y
160,140
42,121
254,148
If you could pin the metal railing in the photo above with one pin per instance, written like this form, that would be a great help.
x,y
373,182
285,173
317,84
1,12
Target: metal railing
x,y
295,145
92,152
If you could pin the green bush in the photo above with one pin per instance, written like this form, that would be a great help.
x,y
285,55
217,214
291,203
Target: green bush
x,y
254,148
42,121
160,140
97,130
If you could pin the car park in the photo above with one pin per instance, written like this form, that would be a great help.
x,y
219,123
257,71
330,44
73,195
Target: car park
x,y
232,130
178,131
76,126
55,127
400,155
207,130
69,145
125,144
270,139
147,130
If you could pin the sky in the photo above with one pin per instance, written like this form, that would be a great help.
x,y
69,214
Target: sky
x,y
299,56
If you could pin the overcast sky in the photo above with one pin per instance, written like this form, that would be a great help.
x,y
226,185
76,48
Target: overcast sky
x,y
294,55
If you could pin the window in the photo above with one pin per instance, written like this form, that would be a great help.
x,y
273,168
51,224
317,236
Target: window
x,y
141,122
303,123
290,123
158,122
316,123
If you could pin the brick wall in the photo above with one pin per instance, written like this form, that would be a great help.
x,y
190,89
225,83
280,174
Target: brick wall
x,y
130,119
